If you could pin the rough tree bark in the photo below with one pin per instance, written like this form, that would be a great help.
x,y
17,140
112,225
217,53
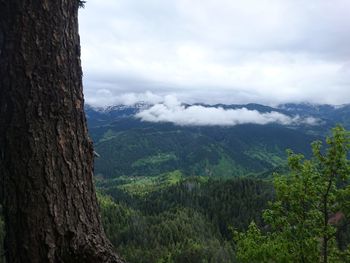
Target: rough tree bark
x,y
46,157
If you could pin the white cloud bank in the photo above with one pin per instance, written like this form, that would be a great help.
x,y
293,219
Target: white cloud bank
x,y
171,110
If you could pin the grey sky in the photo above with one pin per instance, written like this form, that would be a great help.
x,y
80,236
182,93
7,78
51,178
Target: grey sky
x,y
227,51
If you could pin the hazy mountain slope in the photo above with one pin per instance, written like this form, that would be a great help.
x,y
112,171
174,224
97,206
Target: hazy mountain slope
x,y
331,115
231,151
128,146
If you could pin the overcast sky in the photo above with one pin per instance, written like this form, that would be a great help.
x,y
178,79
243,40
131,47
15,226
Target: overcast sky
x,y
216,51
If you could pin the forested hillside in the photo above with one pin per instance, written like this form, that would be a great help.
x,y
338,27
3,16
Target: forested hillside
x,y
207,151
190,220
131,147
180,218
174,193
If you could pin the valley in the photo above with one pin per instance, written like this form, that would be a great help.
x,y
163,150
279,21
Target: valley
x,y
172,193
130,147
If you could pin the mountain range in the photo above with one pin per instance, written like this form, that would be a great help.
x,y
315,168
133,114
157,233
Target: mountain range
x,y
130,146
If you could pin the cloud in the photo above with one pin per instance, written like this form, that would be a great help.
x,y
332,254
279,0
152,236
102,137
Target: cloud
x,y
264,51
172,110
309,121
104,97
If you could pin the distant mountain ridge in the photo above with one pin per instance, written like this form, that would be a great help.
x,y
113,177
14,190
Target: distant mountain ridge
x,y
333,114
131,147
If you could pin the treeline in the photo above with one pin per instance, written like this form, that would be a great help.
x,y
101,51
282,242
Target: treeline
x,y
188,222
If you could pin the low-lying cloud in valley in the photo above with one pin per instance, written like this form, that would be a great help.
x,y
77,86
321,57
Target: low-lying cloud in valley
x,y
173,111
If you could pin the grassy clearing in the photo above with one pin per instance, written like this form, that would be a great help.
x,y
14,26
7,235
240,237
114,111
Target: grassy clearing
x,y
155,159
143,185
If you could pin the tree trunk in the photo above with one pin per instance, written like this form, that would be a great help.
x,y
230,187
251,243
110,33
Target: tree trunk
x,y
46,156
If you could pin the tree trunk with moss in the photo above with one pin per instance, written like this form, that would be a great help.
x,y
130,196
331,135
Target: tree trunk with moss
x,y
46,156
